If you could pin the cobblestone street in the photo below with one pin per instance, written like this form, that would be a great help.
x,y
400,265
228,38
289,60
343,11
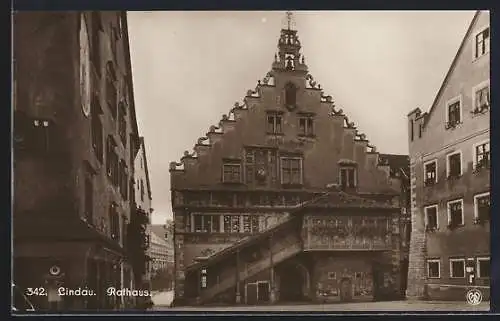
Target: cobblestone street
x,y
365,306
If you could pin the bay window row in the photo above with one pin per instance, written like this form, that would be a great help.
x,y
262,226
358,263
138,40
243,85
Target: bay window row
x,y
227,223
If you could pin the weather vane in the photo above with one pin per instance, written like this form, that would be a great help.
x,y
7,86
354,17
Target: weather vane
x,y
289,15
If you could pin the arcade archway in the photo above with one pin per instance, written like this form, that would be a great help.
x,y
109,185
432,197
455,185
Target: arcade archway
x,y
293,282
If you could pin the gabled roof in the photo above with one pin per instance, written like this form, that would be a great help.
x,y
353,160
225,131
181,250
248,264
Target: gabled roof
x,y
453,64
148,184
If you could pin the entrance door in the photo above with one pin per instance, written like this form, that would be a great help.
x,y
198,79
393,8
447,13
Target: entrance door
x,y
251,293
263,292
346,290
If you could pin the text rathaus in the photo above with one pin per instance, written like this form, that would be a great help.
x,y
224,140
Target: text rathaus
x,y
285,200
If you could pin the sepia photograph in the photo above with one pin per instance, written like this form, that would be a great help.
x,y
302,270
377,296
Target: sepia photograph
x,y
255,161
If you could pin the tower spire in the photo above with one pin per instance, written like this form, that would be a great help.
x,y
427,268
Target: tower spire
x,y
289,15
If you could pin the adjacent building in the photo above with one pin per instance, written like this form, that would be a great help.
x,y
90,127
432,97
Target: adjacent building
x,y
143,198
450,177
160,251
75,140
286,200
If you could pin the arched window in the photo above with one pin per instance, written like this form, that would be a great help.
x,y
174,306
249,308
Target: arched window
x,y
290,94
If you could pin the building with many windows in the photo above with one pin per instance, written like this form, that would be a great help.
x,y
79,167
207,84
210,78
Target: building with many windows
x,y
75,139
450,177
285,200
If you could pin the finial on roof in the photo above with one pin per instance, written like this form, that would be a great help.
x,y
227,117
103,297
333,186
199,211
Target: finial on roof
x,y
289,19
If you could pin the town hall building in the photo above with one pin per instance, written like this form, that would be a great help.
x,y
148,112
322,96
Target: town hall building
x,y
286,200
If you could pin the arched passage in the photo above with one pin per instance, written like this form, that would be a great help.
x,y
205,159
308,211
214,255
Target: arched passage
x,y
293,282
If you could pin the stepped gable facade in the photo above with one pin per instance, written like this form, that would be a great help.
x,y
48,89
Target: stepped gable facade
x,y
285,181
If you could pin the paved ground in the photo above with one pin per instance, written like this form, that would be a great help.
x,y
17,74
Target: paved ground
x,y
399,306
162,299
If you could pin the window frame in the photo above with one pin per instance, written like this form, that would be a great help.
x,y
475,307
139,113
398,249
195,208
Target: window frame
x,y
476,197
438,261
355,176
213,217
477,88
474,152
274,115
478,268
451,102
453,260
224,180
425,171
332,275
301,170
309,127
426,217
475,55
448,210
448,168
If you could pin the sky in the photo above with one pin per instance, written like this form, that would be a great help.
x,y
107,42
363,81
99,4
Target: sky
x,y
190,67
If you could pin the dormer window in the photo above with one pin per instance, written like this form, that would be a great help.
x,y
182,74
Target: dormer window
x,y
347,177
231,172
290,95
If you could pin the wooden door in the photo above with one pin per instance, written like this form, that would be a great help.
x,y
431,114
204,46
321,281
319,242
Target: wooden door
x,y
251,293
263,292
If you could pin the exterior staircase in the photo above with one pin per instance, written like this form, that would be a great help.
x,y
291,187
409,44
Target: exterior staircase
x,y
254,254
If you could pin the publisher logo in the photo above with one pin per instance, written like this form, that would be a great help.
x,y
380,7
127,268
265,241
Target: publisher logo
x,y
474,297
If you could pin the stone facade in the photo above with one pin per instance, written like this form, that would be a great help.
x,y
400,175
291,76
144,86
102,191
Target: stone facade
x,y
278,149
451,177
72,200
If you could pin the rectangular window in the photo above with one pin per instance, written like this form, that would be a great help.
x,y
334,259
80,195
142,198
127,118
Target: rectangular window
x,y
231,173
274,123
111,91
347,177
96,44
482,156
122,124
250,223
431,216
332,275
412,130
482,207
97,134
114,222
483,267
306,126
454,114
454,164
457,268
482,43
482,99
207,223
430,173
231,224
433,269
123,179
455,213
291,170
89,200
